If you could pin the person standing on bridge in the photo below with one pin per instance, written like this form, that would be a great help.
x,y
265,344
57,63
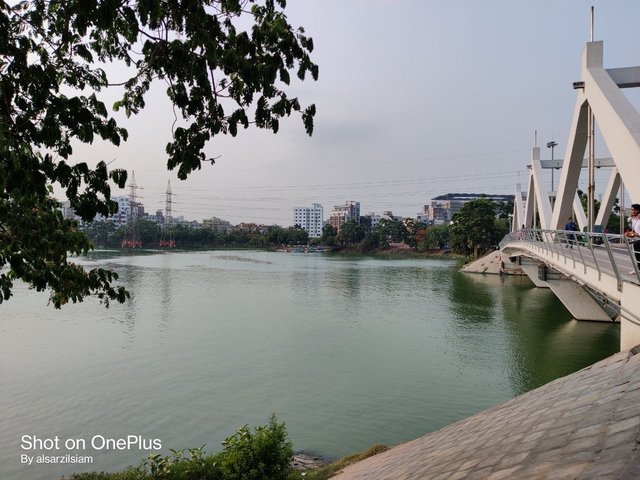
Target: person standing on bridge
x,y
634,234
571,227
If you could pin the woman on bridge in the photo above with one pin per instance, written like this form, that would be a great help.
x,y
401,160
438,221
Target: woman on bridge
x,y
634,233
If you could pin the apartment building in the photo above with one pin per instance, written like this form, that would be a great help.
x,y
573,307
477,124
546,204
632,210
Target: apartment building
x,y
344,213
444,207
310,219
121,217
374,218
217,224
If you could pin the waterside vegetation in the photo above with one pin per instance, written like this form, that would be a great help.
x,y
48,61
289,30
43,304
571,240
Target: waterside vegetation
x,y
264,453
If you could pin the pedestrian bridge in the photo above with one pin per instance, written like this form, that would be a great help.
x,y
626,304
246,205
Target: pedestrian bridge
x,y
593,273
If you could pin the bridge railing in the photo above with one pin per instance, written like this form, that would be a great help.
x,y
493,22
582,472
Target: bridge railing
x,y
605,252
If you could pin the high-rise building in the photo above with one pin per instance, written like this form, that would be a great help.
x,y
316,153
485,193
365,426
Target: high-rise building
x,y
444,207
344,213
310,219
121,217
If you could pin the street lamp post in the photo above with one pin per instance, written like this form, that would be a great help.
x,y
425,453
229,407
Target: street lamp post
x,y
552,144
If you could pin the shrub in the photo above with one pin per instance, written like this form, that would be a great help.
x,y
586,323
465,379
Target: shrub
x,y
266,453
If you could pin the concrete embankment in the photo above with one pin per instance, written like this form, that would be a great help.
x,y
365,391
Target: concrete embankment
x,y
583,426
491,264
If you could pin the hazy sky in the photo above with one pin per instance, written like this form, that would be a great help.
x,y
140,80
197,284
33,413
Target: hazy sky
x,y
415,99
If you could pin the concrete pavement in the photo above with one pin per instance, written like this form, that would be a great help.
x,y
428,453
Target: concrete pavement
x,y
583,426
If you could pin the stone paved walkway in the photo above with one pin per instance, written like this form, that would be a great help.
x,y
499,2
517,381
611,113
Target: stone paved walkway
x,y
583,426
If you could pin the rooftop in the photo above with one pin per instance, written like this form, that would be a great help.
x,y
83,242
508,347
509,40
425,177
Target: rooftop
x,y
474,196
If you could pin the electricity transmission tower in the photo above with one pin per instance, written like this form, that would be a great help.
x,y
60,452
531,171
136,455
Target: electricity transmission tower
x,y
166,237
132,232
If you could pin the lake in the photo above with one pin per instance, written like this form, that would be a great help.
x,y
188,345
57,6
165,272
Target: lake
x,y
347,351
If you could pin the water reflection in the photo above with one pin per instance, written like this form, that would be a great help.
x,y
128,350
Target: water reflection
x,y
129,276
472,299
346,282
546,342
166,299
538,338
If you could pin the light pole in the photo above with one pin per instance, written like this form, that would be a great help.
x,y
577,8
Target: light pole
x,y
552,144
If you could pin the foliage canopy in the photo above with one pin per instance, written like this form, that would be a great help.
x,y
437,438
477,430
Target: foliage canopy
x,y
54,57
476,228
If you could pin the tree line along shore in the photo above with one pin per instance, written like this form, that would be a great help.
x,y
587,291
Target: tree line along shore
x,y
474,230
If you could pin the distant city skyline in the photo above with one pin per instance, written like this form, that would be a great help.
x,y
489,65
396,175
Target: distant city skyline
x,y
436,211
415,99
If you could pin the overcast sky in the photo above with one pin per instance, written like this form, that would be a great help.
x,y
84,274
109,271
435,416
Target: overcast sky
x,y
416,98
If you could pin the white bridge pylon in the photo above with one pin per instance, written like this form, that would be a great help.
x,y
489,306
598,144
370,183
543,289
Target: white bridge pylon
x,y
619,124
584,274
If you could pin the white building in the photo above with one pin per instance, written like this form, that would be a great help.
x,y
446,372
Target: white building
x,y
386,215
310,219
121,217
67,211
217,224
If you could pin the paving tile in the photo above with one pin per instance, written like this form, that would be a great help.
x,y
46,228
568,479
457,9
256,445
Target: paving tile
x,y
526,446
621,425
600,476
579,457
510,460
554,442
533,436
589,430
507,473
539,470
607,468
469,464
590,443
626,437
536,457
566,471
479,474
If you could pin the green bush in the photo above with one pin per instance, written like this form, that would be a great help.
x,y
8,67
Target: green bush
x,y
264,454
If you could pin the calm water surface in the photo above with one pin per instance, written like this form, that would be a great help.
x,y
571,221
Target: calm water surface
x,y
347,351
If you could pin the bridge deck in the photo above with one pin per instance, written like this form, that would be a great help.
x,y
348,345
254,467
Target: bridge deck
x,y
602,262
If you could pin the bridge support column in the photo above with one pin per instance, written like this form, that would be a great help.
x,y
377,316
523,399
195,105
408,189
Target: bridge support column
x,y
579,303
533,272
630,315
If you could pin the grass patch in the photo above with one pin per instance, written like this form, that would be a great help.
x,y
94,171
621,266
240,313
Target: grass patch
x,y
332,469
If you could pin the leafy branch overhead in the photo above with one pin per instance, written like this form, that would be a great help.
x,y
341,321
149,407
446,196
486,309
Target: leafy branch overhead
x,y
226,64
